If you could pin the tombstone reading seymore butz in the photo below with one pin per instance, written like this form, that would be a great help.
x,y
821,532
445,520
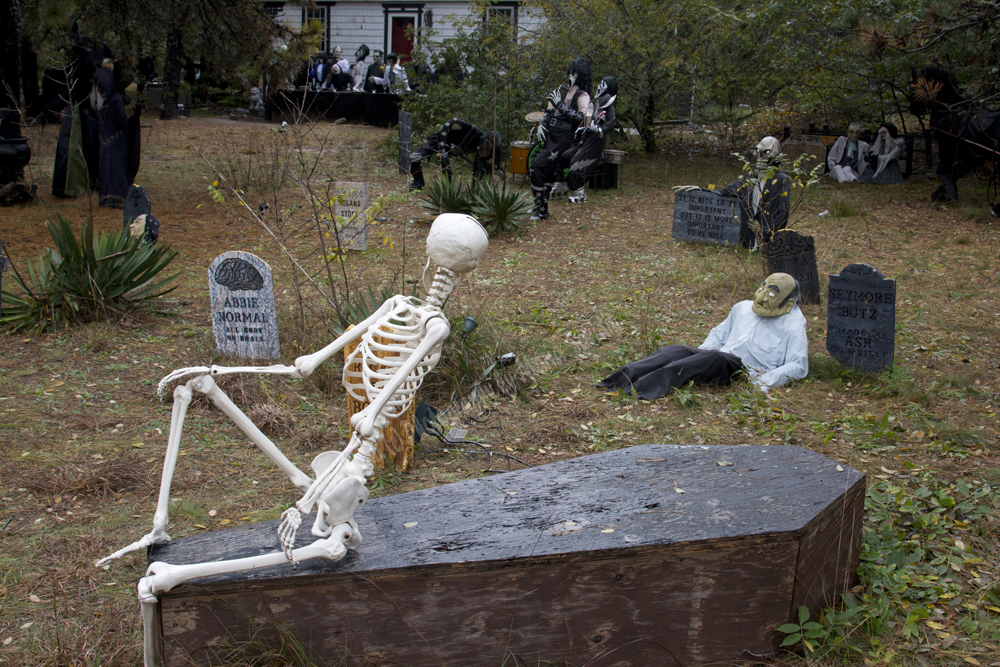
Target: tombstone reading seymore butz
x,y
243,315
136,204
704,216
790,252
405,141
861,318
352,215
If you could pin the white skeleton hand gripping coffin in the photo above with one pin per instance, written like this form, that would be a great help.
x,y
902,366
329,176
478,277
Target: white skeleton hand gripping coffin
x,y
455,245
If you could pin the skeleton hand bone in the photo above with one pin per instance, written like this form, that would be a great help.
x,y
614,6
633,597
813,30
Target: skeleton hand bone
x,y
179,373
555,98
156,536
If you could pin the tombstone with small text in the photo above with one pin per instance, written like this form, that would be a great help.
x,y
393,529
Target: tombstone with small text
x,y
861,319
790,252
243,314
353,216
703,216
405,141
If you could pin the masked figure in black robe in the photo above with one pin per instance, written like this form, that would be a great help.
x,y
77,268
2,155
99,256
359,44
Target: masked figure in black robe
x,y
457,137
595,136
375,71
568,110
114,177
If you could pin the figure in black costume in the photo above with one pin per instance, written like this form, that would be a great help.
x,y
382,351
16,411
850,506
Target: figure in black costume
x,y
764,195
114,176
375,72
568,110
883,157
457,137
338,74
595,135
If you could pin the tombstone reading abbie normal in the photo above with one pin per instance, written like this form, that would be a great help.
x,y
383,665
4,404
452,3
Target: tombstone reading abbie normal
x,y
243,314
704,216
861,318
352,215
790,252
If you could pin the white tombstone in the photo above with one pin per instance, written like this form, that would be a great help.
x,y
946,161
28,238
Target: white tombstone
x,y
244,318
353,215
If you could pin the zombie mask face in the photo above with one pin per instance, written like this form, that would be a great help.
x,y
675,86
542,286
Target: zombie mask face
x,y
853,132
767,152
377,56
776,296
337,52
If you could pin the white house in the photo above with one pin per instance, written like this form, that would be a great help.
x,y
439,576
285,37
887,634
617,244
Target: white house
x,y
383,25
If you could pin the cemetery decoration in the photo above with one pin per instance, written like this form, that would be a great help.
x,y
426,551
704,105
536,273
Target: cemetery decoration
x,y
967,133
883,167
116,141
460,138
147,227
764,193
792,253
766,338
352,208
416,328
4,264
14,157
591,148
532,563
861,319
244,318
405,141
136,203
704,216
808,145
848,156
256,102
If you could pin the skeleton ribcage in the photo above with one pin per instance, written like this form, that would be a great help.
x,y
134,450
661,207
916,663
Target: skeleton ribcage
x,y
383,349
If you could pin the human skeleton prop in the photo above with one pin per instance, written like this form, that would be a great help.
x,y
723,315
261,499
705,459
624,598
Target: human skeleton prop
x,y
417,329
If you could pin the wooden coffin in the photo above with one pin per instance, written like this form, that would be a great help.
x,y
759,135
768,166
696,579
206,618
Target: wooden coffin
x,y
652,555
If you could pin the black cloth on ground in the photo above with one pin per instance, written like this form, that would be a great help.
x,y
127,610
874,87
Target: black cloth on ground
x,y
673,366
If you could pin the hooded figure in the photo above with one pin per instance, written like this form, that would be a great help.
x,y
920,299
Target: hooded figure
x,y
765,337
882,166
595,136
115,172
568,110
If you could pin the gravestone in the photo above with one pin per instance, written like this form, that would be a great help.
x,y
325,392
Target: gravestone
x,y
4,263
243,316
804,144
703,216
861,318
790,252
136,204
651,555
405,141
352,214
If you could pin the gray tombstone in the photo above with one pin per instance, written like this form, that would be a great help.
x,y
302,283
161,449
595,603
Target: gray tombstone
x,y
353,215
861,318
136,204
3,267
405,141
243,314
790,252
808,145
703,216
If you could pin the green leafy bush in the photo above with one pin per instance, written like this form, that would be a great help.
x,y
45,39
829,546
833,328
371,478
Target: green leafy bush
x,y
498,208
85,279
446,195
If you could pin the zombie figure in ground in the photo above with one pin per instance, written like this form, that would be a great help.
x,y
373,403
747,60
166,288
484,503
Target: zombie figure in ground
x,y
882,166
375,71
764,193
338,75
394,79
765,338
390,375
457,137
360,68
847,158
568,110
595,136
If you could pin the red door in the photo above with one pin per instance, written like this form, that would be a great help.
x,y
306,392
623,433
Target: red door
x,y
401,43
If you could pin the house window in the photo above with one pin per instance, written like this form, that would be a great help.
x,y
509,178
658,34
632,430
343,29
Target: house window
x,y
318,17
503,10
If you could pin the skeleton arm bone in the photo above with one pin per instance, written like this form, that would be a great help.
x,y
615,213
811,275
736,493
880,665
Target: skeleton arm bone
x,y
364,421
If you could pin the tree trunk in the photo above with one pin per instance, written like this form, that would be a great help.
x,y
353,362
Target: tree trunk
x,y
10,54
29,78
172,73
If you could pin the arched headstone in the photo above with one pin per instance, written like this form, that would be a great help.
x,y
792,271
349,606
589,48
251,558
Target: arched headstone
x,y
244,318
790,252
861,318
703,216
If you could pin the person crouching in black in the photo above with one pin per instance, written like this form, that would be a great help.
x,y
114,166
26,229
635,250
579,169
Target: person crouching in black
x,y
458,137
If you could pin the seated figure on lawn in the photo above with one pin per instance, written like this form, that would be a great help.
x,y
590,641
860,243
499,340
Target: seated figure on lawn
x,y
457,137
846,159
765,337
883,160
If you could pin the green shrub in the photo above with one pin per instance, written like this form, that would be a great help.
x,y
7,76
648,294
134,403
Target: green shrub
x,y
446,195
86,279
498,208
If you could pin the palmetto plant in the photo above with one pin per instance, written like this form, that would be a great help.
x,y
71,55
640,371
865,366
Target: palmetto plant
x,y
84,279
498,208
446,195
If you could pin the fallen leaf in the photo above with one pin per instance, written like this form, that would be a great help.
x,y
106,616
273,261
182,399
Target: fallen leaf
x,y
678,490
608,530
511,493
8,641
935,625
992,608
840,468
724,463
410,524
36,599
973,661
198,525
27,625
224,522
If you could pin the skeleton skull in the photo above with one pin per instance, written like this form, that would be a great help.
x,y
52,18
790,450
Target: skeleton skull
x,y
767,153
456,242
776,296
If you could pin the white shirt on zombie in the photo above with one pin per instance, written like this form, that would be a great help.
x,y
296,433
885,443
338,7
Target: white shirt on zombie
x,y
774,350
401,83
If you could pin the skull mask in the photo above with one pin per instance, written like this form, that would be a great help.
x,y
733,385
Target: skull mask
x,y
337,52
767,153
776,296
607,86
